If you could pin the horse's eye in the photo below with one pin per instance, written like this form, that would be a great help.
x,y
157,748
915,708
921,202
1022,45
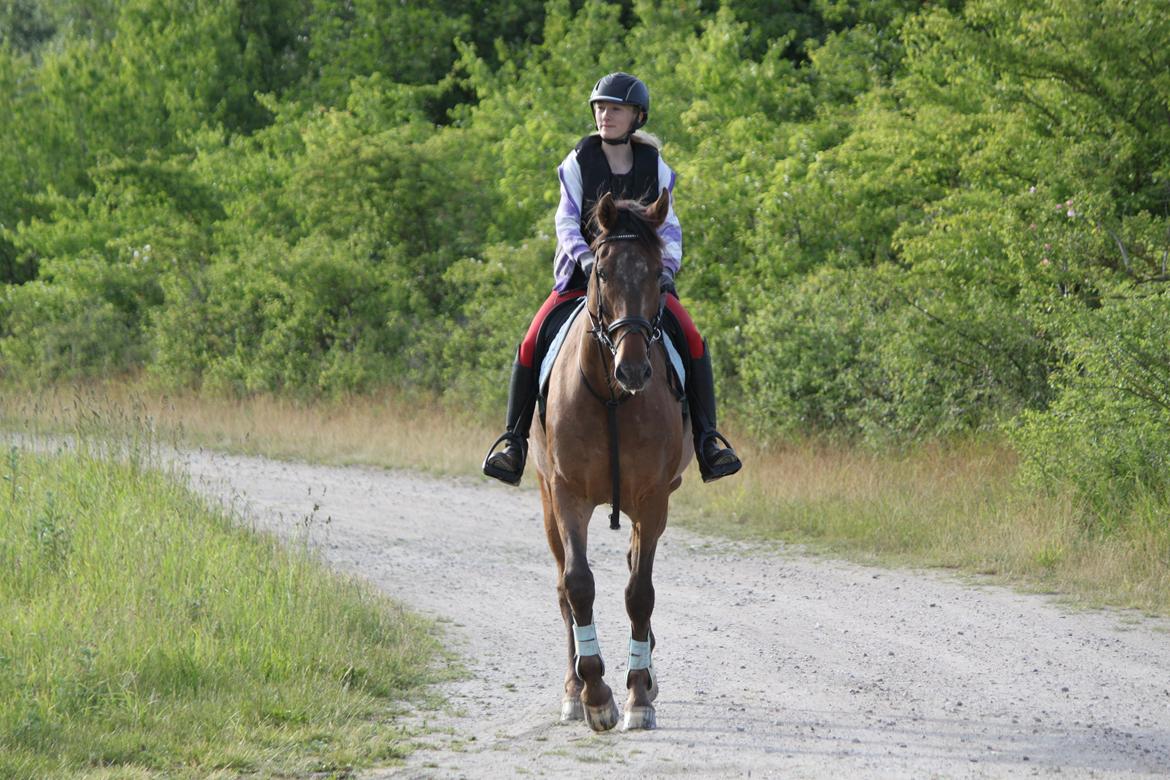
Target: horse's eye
x,y
602,275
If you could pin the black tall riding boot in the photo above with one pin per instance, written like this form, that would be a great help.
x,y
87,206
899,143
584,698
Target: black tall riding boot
x,y
714,461
508,464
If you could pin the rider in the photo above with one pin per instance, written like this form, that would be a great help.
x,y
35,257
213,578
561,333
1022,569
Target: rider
x,y
621,160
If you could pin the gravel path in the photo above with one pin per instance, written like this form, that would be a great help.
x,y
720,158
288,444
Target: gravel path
x,y
772,664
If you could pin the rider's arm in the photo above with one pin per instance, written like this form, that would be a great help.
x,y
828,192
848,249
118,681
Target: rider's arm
x,y
571,247
670,231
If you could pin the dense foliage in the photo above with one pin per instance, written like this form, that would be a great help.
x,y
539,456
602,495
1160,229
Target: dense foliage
x,y
901,219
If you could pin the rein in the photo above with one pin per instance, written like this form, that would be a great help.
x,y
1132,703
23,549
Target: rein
x,y
603,335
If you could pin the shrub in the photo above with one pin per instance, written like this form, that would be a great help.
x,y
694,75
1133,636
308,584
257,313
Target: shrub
x,y
86,326
1107,435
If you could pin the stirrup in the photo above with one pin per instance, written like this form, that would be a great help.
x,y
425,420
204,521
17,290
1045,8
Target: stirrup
x,y
509,477
711,473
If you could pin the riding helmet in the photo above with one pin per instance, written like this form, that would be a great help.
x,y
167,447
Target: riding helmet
x,y
623,88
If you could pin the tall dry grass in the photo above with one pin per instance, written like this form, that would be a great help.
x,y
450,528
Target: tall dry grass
x,y
388,430
957,505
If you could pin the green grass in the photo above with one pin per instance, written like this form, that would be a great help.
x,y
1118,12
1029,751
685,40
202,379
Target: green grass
x,y
144,633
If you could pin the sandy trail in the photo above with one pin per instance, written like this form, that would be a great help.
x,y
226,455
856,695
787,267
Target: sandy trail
x,y
771,664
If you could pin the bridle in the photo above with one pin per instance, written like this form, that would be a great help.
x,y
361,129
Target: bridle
x,y
610,336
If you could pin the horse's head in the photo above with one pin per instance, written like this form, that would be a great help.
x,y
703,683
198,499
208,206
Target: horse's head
x,y
624,295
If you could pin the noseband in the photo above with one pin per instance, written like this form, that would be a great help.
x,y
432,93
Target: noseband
x,y
651,330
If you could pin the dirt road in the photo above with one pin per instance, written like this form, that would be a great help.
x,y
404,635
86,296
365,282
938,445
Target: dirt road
x,y
771,664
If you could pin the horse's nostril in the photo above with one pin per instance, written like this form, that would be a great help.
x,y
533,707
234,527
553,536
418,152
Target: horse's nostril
x,y
633,377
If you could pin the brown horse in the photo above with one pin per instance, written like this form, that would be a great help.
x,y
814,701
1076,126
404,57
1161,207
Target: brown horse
x,y
612,355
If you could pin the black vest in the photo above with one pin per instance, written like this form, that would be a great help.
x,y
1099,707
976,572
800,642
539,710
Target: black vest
x,y
640,184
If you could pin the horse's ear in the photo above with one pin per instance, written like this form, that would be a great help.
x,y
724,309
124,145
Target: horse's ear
x,y
606,212
658,210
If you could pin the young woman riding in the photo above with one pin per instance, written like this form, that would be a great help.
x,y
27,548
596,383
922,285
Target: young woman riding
x,y
625,163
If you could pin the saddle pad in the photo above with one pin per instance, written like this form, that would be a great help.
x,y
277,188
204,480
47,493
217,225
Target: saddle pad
x,y
554,349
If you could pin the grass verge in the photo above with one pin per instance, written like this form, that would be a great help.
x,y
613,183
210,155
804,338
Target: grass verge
x,y
145,633
957,505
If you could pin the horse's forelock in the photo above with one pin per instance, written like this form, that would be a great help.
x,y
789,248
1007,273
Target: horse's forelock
x,y
631,219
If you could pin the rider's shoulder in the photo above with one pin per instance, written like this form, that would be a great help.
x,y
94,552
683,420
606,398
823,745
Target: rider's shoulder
x,y
647,149
640,137
591,141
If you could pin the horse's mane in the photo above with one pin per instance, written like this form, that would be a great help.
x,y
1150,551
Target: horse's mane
x,y
631,220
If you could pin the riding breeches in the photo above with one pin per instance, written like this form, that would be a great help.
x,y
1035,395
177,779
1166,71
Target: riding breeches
x,y
528,347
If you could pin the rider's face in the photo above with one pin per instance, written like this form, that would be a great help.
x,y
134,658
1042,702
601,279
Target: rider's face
x,y
614,120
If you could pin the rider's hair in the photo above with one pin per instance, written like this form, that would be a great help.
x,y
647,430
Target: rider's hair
x,y
642,137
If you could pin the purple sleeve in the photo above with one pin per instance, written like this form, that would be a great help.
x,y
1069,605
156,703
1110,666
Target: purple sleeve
x,y
570,243
670,231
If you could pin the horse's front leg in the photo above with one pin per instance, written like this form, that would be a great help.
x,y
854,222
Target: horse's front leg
x,y
641,683
577,590
571,706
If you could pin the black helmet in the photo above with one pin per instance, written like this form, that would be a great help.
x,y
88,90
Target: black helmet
x,y
623,88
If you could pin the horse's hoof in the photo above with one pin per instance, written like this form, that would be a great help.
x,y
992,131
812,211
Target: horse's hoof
x,y
639,718
602,718
572,709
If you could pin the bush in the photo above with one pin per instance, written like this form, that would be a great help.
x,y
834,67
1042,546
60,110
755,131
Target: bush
x,y
809,358
1106,437
77,328
883,355
323,316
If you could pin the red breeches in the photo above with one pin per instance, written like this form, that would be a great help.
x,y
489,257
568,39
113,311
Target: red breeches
x,y
694,340
528,346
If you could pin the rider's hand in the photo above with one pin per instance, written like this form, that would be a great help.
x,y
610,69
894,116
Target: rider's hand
x,y
587,260
666,284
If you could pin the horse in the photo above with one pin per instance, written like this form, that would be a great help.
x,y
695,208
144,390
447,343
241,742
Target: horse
x,y
611,361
